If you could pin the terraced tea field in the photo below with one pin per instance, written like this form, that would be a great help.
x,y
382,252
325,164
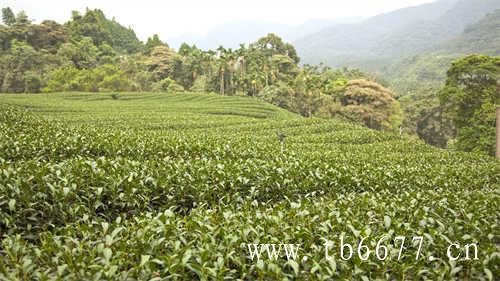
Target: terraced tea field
x,y
160,187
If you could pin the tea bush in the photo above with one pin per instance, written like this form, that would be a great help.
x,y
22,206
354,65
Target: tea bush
x,y
157,187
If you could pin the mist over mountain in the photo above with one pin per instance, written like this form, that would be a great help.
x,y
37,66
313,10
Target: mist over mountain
x,y
403,32
480,37
232,34
409,72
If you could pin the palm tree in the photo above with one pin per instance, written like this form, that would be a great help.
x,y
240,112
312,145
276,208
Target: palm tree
x,y
222,68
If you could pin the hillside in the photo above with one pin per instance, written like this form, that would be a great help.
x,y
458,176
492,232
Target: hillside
x,y
149,186
95,25
92,107
402,32
480,37
428,69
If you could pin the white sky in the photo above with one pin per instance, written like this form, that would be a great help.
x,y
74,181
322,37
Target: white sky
x,y
173,18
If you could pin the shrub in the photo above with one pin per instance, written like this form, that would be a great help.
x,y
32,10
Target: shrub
x,y
168,85
200,84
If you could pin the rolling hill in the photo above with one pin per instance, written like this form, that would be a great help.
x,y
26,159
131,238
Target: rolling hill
x,y
151,186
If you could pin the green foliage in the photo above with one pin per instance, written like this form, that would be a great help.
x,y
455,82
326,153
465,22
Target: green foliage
x,y
413,74
122,39
19,67
32,82
78,56
82,54
103,78
336,87
472,90
115,82
62,79
93,24
272,45
162,62
200,84
8,16
169,85
479,134
153,42
22,18
371,103
426,118
279,94
179,193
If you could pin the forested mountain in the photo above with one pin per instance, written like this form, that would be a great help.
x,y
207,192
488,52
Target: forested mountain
x,y
480,37
402,32
428,69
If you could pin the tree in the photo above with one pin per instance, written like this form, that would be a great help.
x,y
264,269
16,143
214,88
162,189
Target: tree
x,y
48,35
279,94
271,45
103,78
62,79
32,82
472,88
153,42
169,85
21,59
8,16
22,18
95,25
308,91
162,62
372,103
425,117
115,82
82,54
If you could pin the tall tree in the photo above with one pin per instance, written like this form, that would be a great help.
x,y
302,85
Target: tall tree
x,y
22,18
162,62
8,16
153,42
374,104
471,92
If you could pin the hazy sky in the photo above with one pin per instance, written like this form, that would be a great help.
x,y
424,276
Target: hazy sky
x,y
173,18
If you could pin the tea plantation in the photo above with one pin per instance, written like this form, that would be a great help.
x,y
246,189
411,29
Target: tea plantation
x,y
175,187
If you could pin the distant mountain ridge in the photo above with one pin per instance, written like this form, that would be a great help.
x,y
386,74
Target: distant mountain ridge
x,y
428,68
232,34
480,37
403,32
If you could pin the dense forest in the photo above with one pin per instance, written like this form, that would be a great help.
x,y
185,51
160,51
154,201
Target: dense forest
x,y
92,53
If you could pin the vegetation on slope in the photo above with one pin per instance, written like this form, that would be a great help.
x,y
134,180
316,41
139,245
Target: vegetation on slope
x,y
461,114
471,96
95,187
408,74
98,55
93,54
404,32
481,37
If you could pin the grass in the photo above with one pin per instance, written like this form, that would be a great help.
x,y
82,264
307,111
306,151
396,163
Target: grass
x,y
154,186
